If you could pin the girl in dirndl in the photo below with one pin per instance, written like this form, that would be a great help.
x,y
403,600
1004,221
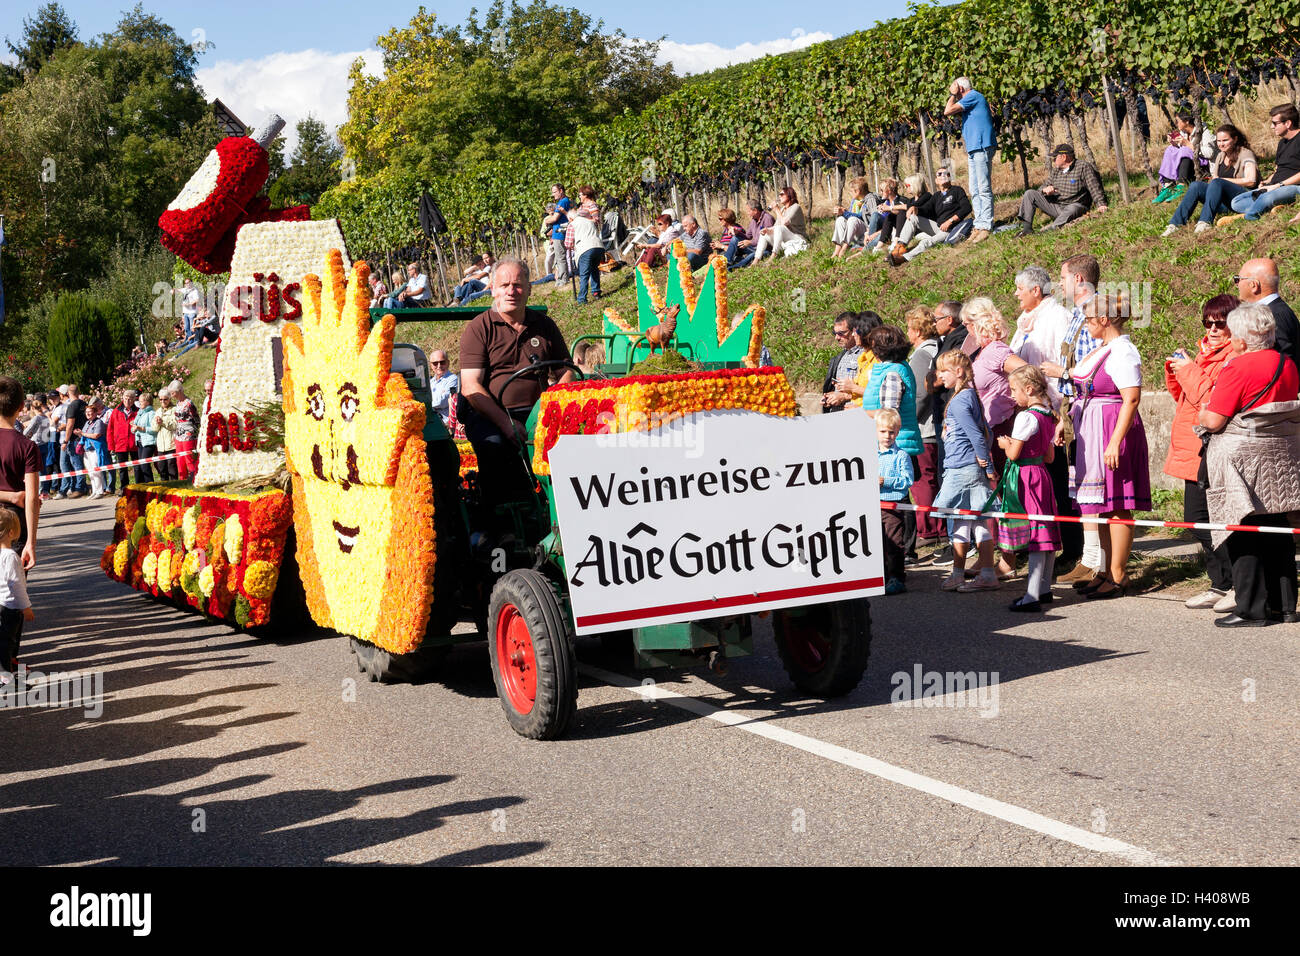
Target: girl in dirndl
x,y
1026,485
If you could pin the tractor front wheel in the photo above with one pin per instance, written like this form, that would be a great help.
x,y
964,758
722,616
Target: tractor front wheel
x,y
824,647
533,662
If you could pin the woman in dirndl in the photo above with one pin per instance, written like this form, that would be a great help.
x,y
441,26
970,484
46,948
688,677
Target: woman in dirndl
x,y
1111,479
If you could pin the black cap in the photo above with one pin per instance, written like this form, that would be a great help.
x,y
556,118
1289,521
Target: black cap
x,y
1064,149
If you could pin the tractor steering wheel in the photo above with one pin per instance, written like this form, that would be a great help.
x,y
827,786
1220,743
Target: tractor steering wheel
x,y
533,368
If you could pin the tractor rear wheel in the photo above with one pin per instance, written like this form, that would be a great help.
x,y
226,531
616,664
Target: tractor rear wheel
x,y
533,661
824,647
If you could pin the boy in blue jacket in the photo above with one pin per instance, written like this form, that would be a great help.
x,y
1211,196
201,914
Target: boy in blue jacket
x,y
896,477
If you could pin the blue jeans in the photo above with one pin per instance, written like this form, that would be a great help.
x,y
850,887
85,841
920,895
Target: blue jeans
x,y
70,462
963,487
734,259
981,187
589,273
1216,196
1254,208
467,288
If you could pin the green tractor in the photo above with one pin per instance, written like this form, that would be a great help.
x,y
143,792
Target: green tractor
x,y
514,587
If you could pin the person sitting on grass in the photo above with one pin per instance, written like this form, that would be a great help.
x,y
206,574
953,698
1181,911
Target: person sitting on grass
x,y
946,209
728,230
1284,185
473,282
789,233
1182,157
851,222
1233,172
656,253
695,238
896,477
1073,187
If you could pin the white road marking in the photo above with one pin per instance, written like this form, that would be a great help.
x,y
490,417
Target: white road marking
x,y
1028,819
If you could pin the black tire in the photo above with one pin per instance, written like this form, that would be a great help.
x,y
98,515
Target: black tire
x,y
389,668
824,647
528,598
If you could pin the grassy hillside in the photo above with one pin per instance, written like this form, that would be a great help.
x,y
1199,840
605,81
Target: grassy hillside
x,y
1183,272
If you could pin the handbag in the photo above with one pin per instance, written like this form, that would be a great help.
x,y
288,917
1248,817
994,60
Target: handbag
x,y
1203,470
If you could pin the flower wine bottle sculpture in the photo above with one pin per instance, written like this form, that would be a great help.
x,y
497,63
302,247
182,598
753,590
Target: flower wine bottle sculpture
x,y
362,496
202,223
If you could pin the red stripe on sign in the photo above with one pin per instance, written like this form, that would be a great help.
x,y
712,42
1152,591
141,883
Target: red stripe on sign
x,y
613,617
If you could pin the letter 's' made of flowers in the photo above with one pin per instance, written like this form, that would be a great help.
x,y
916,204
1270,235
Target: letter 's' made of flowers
x,y
362,497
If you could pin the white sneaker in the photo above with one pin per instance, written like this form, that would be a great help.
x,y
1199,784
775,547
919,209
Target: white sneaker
x,y
1226,603
1205,600
953,581
986,580
1203,227
1169,231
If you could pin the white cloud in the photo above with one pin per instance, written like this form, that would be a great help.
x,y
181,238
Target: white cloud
x,y
702,57
291,84
294,84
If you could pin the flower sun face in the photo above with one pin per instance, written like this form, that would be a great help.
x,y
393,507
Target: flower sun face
x,y
362,497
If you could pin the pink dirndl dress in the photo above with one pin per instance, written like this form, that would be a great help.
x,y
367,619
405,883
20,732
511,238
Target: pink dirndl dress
x,y
1096,488
1035,492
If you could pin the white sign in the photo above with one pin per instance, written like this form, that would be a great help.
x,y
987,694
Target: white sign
x,y
715,514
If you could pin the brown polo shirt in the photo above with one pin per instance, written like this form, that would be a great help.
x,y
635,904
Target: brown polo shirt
x,y
490,342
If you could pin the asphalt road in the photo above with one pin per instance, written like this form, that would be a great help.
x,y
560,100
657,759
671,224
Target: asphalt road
x,y
1122,732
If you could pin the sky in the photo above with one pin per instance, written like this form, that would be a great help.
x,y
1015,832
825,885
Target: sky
x,y
292,57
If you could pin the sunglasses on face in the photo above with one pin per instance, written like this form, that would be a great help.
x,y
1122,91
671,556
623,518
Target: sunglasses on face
x,y
840,333
1215,323
1237,280
438,362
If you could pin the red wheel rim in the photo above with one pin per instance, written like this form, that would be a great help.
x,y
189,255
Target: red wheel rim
x,y
515,659
806,643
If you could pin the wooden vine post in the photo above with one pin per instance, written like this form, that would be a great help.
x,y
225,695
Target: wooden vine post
x,y
1114,138
925,150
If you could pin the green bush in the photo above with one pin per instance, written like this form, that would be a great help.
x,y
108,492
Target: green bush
x,y
132,273
121,336
78,347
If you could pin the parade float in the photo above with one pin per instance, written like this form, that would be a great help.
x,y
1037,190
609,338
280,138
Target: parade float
x,y
691,495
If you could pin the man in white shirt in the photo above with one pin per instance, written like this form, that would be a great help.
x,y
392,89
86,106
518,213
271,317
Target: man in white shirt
x,y
1042,324
444,384
417,294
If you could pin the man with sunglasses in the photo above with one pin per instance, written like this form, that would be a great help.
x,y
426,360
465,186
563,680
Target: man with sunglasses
x,y
1258,282
1284,185
444,383
844,365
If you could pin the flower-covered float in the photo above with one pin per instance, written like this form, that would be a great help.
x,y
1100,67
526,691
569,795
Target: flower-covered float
x,y
218,222
221,554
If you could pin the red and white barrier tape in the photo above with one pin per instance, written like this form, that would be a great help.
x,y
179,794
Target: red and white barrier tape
x,y
1091,519
113,467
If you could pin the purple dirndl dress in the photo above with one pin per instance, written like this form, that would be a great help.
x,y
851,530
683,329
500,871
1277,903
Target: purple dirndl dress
x,y
1036,494
1096,488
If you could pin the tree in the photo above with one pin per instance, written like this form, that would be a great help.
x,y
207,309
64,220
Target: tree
x,y
313,167
44,35
93,146
523,76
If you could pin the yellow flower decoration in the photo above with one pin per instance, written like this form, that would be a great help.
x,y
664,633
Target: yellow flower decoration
x,y
234,539
260,578
121,556
362,496
150,568
207,580
164,572
190,526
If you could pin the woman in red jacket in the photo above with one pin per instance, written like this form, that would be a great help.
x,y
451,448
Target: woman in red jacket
x,y
1190,382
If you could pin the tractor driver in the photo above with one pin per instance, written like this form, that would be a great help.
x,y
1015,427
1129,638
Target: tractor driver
x,y
494,345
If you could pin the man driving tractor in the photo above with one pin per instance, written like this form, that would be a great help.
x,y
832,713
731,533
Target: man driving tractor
x,y
496,344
